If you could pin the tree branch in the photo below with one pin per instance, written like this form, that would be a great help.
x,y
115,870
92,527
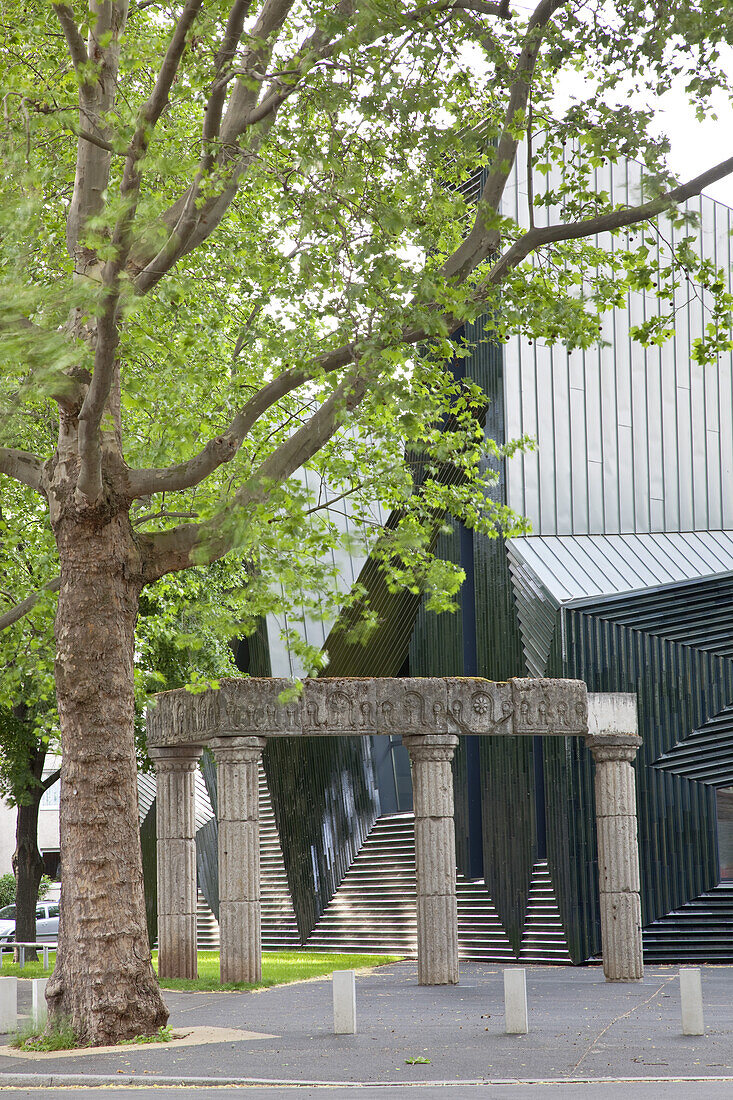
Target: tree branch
x,y
221,449
170,551
603,223
480,242
74,40
151,111
50,780
89,481
190,221
22,466
15,614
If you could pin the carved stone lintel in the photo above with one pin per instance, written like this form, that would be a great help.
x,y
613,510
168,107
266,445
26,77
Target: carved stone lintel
x,y
237,768
435,857
175,770
328,707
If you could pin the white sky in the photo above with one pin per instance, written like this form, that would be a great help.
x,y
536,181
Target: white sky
x,y
695,145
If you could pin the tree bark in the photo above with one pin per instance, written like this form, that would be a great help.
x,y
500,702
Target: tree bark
x,y
27,861
104,981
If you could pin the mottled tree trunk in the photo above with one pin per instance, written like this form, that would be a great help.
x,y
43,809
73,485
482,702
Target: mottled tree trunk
x,y
27,862
104,981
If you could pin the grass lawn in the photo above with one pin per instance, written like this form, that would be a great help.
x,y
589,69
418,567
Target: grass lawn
x,y
30,970
278,968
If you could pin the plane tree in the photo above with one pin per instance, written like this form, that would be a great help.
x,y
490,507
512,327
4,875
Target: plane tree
x,y
226,228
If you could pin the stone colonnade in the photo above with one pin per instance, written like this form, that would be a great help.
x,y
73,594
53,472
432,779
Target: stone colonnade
x,y
235,721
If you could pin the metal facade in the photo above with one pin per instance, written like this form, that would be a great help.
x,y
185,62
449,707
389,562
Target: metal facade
x,y
629,439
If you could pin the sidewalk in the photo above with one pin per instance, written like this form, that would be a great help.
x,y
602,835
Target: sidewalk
x,y
581,1029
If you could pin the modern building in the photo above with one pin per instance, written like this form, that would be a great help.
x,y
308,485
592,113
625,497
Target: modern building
x,y
626,582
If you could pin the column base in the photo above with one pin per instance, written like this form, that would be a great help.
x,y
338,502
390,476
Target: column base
x,y
621,937
437,940
177,954
240,956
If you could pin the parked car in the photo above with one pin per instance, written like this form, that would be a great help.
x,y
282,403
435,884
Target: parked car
x,y
47,922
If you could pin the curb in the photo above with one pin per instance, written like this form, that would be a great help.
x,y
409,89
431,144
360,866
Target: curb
x,y
94,1080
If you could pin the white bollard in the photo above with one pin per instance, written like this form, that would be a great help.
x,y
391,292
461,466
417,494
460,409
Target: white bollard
x,y
691,1001
515,1002
45,957
344,1002
39,1009
8,1005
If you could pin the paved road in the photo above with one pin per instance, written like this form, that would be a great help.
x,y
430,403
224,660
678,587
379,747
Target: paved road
x,y
580,1026
606,1090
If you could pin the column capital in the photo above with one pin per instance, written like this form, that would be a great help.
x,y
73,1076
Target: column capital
x,y
175,758
613,746
237,750
430,746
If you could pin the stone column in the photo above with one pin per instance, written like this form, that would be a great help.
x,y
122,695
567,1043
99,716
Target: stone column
x,y
613,741
435,857
175,771
237,773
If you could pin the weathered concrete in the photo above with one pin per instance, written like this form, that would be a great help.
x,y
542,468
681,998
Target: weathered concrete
x,y
39,1008
516,1020
237,773
435,856
614,744
344,1002
8,1005
693,1019
175,769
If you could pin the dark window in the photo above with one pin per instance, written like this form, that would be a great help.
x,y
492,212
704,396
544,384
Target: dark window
x,y
52,865
725,831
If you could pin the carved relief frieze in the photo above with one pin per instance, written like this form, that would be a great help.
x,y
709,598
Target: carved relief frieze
x,y
329,707
543,706
254,707
414,705
479,706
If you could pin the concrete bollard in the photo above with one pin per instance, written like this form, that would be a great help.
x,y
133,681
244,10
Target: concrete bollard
x,y
8,1005
344,1002
515,1002
39,1009
693,1022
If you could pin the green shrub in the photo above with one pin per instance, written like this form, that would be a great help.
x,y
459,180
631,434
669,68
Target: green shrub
x,y
7,890
8,887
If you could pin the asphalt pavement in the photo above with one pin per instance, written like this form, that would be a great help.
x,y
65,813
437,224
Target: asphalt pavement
x,y
587,1038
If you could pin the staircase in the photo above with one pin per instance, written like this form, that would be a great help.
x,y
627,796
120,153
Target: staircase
x,y
374,908
279,927
373,911
543,939
701,930
207,926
